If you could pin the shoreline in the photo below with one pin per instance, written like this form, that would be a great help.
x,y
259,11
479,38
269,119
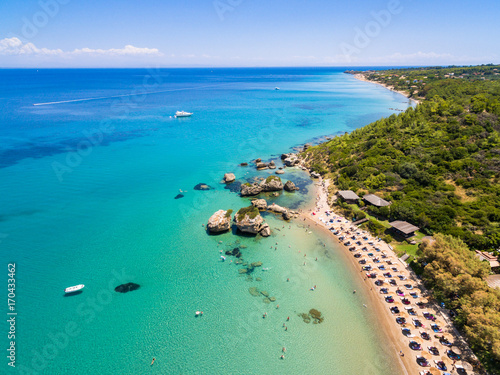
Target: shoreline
x,y
379,307
362,77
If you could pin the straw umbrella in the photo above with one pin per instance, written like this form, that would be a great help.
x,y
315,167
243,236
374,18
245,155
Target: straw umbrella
x,y
456,349
434,371
466,365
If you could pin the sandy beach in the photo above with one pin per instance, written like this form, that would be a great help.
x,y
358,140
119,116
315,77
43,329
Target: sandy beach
x,y
362,77
377,254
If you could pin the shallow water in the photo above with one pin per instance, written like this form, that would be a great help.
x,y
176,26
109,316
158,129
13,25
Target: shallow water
x,y
87,196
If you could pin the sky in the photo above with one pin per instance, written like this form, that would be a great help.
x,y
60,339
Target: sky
x,y
247,33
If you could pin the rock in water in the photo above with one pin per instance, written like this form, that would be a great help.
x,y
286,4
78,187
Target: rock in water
x,y
229,177
244,164
128,287
272,183
261,204
290,186
220,221
275,208
264,230
248,190
280,171
248,220
179,196
202,186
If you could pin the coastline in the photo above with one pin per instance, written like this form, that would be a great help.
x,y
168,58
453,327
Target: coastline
x,y
361,77
315,214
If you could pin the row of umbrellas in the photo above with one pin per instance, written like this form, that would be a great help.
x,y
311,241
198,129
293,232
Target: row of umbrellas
x,y
392,291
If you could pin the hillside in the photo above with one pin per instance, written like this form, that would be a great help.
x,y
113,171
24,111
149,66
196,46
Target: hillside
x,y
439,164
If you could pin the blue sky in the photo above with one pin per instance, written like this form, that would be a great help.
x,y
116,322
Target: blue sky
x,y
132,33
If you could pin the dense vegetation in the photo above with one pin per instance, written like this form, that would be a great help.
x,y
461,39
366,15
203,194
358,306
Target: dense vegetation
x,y
437,163
456,277
423,82
251,211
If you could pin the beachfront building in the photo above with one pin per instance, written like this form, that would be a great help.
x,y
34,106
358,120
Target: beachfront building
x,y
375,200
488,257
404,228
348,196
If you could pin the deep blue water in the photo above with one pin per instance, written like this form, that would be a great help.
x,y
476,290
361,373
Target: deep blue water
x,y
90,163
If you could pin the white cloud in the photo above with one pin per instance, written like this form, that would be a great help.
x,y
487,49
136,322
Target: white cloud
x,y
14,46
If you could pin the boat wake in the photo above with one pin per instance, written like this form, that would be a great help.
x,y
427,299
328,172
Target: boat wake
x,y
127,95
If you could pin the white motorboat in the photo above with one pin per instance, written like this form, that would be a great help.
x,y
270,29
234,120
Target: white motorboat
x,y
75,288
182,114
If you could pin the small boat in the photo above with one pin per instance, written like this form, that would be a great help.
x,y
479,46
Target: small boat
x,y
73,289
182,114
276,88
198,313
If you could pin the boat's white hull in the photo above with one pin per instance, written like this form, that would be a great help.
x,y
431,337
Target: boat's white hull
x,y
73,289
179,114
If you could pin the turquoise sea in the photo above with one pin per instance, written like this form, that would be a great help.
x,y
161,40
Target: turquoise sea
x,y
90,164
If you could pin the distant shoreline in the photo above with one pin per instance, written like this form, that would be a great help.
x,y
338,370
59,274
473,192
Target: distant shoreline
x,y
362,77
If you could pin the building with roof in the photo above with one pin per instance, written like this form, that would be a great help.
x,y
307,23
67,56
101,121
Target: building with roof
x,y
404,228
348,195
375,200
488,257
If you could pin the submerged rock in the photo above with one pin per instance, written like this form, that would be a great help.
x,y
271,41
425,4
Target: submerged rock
x,y
244,165
254,291
202,186
179,196
243,270
256,264
314,316
233,187
272,299
128,287
220,221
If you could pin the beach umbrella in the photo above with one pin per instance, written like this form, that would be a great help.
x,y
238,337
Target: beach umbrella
x,y
466,365
423,300
447,336
456,350
434,371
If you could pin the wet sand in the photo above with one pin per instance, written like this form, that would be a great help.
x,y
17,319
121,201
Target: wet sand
x,y
363,78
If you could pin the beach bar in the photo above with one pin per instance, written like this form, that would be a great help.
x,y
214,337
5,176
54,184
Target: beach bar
x,y
348,196
375,200
404,228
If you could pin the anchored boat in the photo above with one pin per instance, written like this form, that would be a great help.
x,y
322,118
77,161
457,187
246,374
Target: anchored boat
x,y
73,289
182,114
